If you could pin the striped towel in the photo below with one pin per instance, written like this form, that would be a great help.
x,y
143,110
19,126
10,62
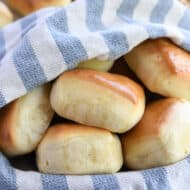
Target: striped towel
x,y
39,47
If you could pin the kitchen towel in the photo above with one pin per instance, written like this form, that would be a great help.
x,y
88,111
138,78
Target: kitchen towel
x,y
39,47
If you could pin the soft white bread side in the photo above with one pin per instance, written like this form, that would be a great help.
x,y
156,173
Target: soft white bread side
x,y
96,65
78,149
161,137
98,99
162,66
24,122
5,15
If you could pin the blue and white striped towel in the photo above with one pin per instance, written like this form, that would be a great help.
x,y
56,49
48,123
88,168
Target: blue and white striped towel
x,y
39,47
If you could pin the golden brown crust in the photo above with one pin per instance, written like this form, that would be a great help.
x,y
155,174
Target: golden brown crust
x,y
7,117
161,137
163,67
27,6
98,99
155,114
67,129
176,59
117,83
185,2
151,124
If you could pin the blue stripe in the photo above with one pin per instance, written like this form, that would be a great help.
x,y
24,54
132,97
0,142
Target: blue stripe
x,y
155,30
7,175
27,65
156,179
71,48
94,10
185,20
186,45
27,23
105,182
58,21
2,100
54,182
188,159
2,45
160,10
117,43
126,9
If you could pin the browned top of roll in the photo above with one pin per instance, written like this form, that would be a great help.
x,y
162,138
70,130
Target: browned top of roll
x,y
155,115
117,83
185,2
25,7
177,59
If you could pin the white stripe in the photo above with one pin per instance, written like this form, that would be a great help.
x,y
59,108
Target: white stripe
x,y
28,180
44,13
93,43
80,182
11,85
135,34
109,16
131,181
95,46
76,15
174,14
47,52
175,35
143,10
179,175
12,34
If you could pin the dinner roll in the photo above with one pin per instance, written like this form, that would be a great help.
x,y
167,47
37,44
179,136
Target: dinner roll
x,y
98,99
185,2
79,149
161,137
163,67
96,65
24,122
5,15
25,7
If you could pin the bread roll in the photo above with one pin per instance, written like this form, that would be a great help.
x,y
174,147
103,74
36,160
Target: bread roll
x,y
24,121
185,2
161,137
25,7
5,15
163,67
96,65
78,149
98,99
